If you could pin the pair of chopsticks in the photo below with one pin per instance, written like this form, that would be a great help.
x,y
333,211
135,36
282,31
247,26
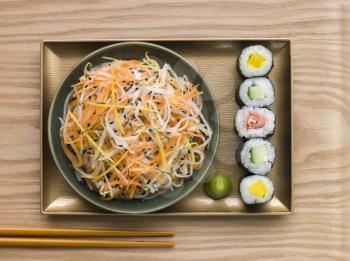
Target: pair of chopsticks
x,y
26,237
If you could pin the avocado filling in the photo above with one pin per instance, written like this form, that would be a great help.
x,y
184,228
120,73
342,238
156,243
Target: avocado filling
x,y
256,60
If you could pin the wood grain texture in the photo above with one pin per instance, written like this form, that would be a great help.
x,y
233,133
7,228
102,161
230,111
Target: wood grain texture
x,y
318,229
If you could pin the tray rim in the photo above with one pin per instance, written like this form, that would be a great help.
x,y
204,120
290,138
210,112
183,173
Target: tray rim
x,y
43,211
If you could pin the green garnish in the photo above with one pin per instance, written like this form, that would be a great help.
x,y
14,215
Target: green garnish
x,y
218,185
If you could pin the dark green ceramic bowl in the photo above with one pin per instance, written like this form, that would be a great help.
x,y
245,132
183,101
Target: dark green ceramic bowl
x,y
131,50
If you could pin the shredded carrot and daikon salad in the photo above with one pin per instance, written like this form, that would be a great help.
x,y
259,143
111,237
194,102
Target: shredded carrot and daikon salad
x,y
134,129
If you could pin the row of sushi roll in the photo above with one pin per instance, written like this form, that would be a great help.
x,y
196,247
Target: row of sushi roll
x,y
254,123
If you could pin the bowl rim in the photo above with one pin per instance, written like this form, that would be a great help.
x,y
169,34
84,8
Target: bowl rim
x,y
84,60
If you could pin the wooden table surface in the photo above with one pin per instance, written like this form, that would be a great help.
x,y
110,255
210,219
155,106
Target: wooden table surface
x,y
319,227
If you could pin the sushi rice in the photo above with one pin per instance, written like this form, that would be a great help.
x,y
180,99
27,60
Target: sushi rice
x,y
257,156
252,122
256,189
255,60
258,92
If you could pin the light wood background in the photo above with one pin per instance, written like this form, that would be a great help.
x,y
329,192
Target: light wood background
x,y
319,228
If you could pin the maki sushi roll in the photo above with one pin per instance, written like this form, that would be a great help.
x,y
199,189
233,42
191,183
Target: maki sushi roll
x,y
256,189
252,122
255,60
258,92
257,156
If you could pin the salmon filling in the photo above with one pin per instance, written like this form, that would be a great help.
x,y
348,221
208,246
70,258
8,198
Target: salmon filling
x,y
255,121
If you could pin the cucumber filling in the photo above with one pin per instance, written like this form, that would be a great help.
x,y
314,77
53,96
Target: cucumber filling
x,y
258,154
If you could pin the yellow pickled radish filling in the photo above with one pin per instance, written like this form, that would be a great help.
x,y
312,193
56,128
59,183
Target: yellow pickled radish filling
x,y
258,189
256,60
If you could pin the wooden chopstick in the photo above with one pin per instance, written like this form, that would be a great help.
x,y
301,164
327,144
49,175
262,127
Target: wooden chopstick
x,y
88,243
71,232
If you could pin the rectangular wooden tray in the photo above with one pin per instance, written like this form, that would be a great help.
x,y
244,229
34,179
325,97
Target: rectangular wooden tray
x,y
216,59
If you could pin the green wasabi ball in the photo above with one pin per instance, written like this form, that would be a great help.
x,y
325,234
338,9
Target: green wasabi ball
x,y
218,185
